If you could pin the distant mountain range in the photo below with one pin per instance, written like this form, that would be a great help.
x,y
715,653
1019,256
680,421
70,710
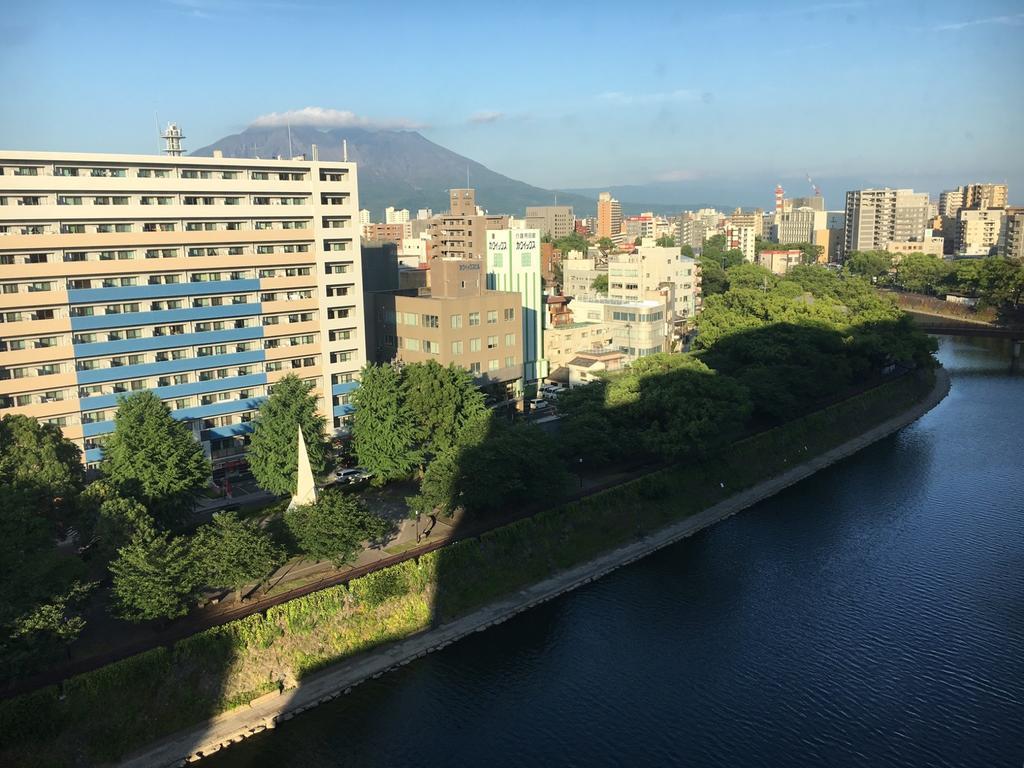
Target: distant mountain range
x,y
406,170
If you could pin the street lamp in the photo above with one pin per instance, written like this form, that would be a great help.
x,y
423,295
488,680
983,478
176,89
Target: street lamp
x,y
581,473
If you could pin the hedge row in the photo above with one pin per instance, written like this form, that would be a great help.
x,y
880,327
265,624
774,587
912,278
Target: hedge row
x,y
106,713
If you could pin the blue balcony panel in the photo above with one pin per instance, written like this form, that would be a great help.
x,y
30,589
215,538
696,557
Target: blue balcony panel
x,y
97,428
180,390
218,409
141,292
163,317
232,430
126,346
344,389
93,454
343,410
125,372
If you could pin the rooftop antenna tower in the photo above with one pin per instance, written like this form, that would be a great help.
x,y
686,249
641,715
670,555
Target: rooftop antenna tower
x,y
344,150
172,140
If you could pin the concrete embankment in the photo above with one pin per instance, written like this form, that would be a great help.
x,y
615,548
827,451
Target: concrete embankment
x,y
267,711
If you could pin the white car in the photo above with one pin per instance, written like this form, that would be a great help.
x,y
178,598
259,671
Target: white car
x,y
537,404
351,475
552,391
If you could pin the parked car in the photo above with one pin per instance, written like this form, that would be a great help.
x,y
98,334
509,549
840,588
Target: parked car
x,y
348,476
551,391
537,405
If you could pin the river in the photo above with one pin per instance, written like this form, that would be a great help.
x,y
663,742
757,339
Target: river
x,y
872,615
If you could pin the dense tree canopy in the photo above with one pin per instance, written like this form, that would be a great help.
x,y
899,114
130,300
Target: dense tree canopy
x,y
334,527
155,576
154,459
273,450
600,283
440,401
233,553
383,432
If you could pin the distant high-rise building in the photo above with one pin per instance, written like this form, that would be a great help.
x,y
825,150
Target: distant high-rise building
x,y
514,264
950,202
753,219
609,215
742,238
876,216
978,196
814,202
980,231
423,214
364,216
795,226
396,215
556,221
461,233
1013,234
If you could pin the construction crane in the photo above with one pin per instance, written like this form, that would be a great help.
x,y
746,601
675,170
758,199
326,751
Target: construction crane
x,y
817,192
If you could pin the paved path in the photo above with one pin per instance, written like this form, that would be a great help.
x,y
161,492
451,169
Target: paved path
x,y
265,712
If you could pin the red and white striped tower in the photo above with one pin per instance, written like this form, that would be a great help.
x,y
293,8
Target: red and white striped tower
x,y
779,192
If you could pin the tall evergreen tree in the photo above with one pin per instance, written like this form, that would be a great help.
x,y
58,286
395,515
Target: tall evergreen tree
x,y
440,401
273,451
155,575
233,553
154,459
335,526
384,435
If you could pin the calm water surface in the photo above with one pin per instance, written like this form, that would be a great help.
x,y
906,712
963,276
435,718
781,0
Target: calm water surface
x,y
873,615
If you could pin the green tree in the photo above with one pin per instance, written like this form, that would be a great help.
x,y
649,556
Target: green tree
x,y
666,241
638,241
440,401
606,245
54,624
233,553
383,431
154,459
155,576
39,468
687,250
118,520
574,241
273,451
749,275
335,527
869,264
922,273
600,283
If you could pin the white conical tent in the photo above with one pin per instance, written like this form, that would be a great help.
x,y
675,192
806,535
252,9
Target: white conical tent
x,y
305,488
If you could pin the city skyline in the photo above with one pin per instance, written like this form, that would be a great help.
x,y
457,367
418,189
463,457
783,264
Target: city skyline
x,y
713,96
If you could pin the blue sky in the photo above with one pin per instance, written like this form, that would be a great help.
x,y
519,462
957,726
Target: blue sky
x,y
556,94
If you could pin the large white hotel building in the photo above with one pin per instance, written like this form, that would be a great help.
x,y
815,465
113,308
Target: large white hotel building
x,y
204,280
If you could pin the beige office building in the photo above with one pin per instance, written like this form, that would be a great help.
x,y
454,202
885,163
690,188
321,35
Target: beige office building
x,y
578,274
651,269
742,238
980,230
201,279
556,221
455,321
462,232
931,245
639,328
780,262
563,342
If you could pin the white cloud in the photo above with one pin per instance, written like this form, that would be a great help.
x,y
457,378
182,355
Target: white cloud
x,y
1014,20
485,116
319,117
627,99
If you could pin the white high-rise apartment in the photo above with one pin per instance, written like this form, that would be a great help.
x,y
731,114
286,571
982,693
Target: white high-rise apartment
x,y
655,269
364,217
396,215
980,231
741,237
874,217
203,280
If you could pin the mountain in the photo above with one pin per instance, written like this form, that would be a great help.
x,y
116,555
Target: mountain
x,y
398,168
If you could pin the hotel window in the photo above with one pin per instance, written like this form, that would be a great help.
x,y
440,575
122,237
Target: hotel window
x,y
492,342
510,339
492,365
474,345
229,174
68,200
492,316
26,171
432,347
474,318
510,314
61,170
510,361
456,321
456,348
430,321
412,344
474,368
259,175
